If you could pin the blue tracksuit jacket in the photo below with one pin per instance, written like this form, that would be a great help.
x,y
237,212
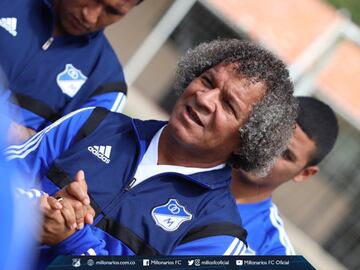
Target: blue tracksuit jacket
x,y
169,213
52,77
266,232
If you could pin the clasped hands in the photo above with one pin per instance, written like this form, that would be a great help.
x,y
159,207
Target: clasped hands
x,y
69,210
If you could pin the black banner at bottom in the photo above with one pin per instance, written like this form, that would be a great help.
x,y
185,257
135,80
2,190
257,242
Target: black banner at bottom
x,y
181,262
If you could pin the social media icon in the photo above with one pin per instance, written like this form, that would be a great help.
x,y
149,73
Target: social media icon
x,y
239,262
197,262
90,262
190,262
146,262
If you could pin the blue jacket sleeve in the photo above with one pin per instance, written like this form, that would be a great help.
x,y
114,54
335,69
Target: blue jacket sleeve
x,y
113,101
107,82
34,157
214,245
85,242
27,118
21,115
82,242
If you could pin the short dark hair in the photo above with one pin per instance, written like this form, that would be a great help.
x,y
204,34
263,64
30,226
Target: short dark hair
x,y
265,134
319,123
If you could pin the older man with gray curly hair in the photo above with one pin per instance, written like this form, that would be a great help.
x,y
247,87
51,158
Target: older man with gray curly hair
x,y
268,126
162,188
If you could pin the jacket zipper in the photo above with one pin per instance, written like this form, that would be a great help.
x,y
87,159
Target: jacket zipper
x,y
120,196
126,189
47,44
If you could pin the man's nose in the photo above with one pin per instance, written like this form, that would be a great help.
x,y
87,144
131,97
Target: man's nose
x,y
208,99
91,13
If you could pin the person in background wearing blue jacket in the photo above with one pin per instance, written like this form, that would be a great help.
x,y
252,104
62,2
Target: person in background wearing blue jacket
x,y
161,188
18,240
57,59
314,137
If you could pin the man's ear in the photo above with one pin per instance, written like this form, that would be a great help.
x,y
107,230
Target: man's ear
x,y
306,173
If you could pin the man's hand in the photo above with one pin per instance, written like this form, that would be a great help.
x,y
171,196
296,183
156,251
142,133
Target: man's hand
x,y
76,202
68,212
54,229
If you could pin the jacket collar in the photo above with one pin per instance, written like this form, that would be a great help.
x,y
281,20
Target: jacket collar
x,y
146,130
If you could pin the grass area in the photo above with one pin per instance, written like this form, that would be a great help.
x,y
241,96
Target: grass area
x,y
353,6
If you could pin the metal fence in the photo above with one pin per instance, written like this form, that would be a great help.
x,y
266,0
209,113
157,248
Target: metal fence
x,y
199,25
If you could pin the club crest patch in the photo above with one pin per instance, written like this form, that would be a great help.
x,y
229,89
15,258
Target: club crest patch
x,y
70,80
170,215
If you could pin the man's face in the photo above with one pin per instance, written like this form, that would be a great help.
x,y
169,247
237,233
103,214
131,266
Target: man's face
x,y
292,163
213,107
79,17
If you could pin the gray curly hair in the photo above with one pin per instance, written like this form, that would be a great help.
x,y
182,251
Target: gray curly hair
x,y
265,134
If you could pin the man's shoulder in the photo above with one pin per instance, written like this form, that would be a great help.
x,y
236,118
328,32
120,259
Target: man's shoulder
x,y
255,210
256,218
73,120
109,118
264,215
278,240
82,113
111,123
219,218
219,207
107,65
266,231
25,3
275,217
107,51
108,123
20,7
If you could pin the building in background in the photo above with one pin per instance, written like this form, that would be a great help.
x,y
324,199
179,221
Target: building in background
x,y
322,48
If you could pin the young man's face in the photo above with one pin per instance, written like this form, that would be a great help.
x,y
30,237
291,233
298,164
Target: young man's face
x,y
213,107
79,17
292,163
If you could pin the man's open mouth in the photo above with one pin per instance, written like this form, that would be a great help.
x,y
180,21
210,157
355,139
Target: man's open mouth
x,y
193,115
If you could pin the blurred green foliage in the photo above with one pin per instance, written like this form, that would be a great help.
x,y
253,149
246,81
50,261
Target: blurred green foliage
x,y
353,6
